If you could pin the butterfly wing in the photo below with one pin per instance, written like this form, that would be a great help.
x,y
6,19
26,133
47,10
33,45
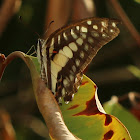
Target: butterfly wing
x,y
69,50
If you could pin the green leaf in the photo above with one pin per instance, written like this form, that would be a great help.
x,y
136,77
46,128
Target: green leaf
x,y
134,70
132,124
83,118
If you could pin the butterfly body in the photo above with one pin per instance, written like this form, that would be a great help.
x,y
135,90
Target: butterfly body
x,y
68,51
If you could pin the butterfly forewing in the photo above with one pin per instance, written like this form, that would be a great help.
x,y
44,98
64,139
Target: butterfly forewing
x,y
69,50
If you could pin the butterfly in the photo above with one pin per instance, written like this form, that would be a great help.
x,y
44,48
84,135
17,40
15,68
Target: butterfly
x,y
65,54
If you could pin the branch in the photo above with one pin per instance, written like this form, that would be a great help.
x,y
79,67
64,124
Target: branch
x,y
55,12
5,61
59,12
8,8
128,24
88,9
7,131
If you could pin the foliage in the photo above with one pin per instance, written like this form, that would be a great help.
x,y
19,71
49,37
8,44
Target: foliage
x,y
125,116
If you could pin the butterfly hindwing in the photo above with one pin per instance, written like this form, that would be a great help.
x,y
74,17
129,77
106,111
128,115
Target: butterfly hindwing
x,y
68,51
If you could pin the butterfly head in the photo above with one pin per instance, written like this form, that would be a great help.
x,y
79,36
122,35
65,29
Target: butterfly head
x,y
40,45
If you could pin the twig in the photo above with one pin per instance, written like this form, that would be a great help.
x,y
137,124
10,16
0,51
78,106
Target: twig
x,y
132,97
62,11
87,6
7,131
32,122
128,24
59,12
8,8
5,61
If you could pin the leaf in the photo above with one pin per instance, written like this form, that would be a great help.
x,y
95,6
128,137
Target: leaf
x,y
84,119
132,124
134,70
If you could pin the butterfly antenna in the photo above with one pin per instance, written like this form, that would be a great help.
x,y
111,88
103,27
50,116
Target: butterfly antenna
x,y
49,26
33,53
33,46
